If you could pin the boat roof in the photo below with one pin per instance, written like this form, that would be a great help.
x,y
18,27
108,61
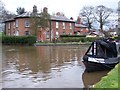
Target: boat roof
x,y
102,49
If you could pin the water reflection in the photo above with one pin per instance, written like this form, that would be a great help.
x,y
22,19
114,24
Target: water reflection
x,y
44,66
92,78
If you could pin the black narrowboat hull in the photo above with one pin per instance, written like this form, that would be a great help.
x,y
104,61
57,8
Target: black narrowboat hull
x,y
94,66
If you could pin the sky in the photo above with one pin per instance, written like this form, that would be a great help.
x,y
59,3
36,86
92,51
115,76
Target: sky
x,y
70,8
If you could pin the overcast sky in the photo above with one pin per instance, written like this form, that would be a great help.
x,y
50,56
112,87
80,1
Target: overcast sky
x,y
70,8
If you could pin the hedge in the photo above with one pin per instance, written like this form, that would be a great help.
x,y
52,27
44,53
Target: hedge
x,y
78,39
116,38
72,35
19,40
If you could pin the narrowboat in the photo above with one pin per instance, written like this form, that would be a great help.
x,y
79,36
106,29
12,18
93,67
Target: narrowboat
x,y
101,55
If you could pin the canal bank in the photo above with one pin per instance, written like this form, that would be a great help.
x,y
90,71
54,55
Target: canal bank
x,y
111,80
60,44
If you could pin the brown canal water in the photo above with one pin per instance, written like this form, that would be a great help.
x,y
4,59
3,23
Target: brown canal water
x,y
46,67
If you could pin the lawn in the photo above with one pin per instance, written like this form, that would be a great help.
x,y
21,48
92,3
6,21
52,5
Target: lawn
x,y
111,80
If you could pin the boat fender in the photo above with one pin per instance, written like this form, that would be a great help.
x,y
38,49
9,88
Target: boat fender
x,y
85,58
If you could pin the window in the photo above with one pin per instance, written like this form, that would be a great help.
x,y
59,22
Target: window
x,y
70,33
57,25
8,25
64,33
70,25
27,33
57,34
47,34
9,33
16,23
81,29
27,23
63,25
16,33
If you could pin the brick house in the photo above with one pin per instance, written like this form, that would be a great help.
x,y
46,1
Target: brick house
x,y
80,29
18,26
59,25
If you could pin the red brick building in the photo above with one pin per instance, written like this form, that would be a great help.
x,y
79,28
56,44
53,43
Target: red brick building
x,y
80,29
59,25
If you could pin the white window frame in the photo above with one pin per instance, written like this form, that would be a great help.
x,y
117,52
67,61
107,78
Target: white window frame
x,y
27,23
70,25
63,24
70,33
47,34
17,33
27,32
16,23
9,25
57,34
57,24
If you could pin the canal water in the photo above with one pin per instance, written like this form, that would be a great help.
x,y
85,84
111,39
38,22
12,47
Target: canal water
x,y
46,67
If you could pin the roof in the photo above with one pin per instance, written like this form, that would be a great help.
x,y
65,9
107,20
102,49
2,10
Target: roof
x,y
52,17
9,20
80,25
26,14
60,18
97,33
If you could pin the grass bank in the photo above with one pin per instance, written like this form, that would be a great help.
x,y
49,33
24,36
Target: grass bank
x,y
60,43
110,81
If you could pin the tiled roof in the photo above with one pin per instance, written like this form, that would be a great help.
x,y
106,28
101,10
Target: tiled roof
x,y
52,17
26,14
9,20
61,18
80,25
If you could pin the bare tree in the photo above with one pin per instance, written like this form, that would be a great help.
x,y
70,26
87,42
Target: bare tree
x,y
87,13
4,15
101,14
2,10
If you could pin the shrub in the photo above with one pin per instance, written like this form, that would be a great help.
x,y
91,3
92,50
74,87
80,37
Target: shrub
x,y
72,35
78,39
117,38
21,40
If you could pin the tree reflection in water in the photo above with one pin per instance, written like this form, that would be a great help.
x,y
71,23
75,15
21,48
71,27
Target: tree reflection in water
x,y
44,67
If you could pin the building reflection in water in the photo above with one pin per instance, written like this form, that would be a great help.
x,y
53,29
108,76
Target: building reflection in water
x,y
58,66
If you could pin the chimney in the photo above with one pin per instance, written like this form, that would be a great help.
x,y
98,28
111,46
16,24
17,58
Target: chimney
x,y
58,13
45,10
35,9
78,20
116,26
71,18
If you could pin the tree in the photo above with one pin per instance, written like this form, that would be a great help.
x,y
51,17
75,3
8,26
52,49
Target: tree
x,y
87,13
2,10
20,10
4,15
40,20
101,14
